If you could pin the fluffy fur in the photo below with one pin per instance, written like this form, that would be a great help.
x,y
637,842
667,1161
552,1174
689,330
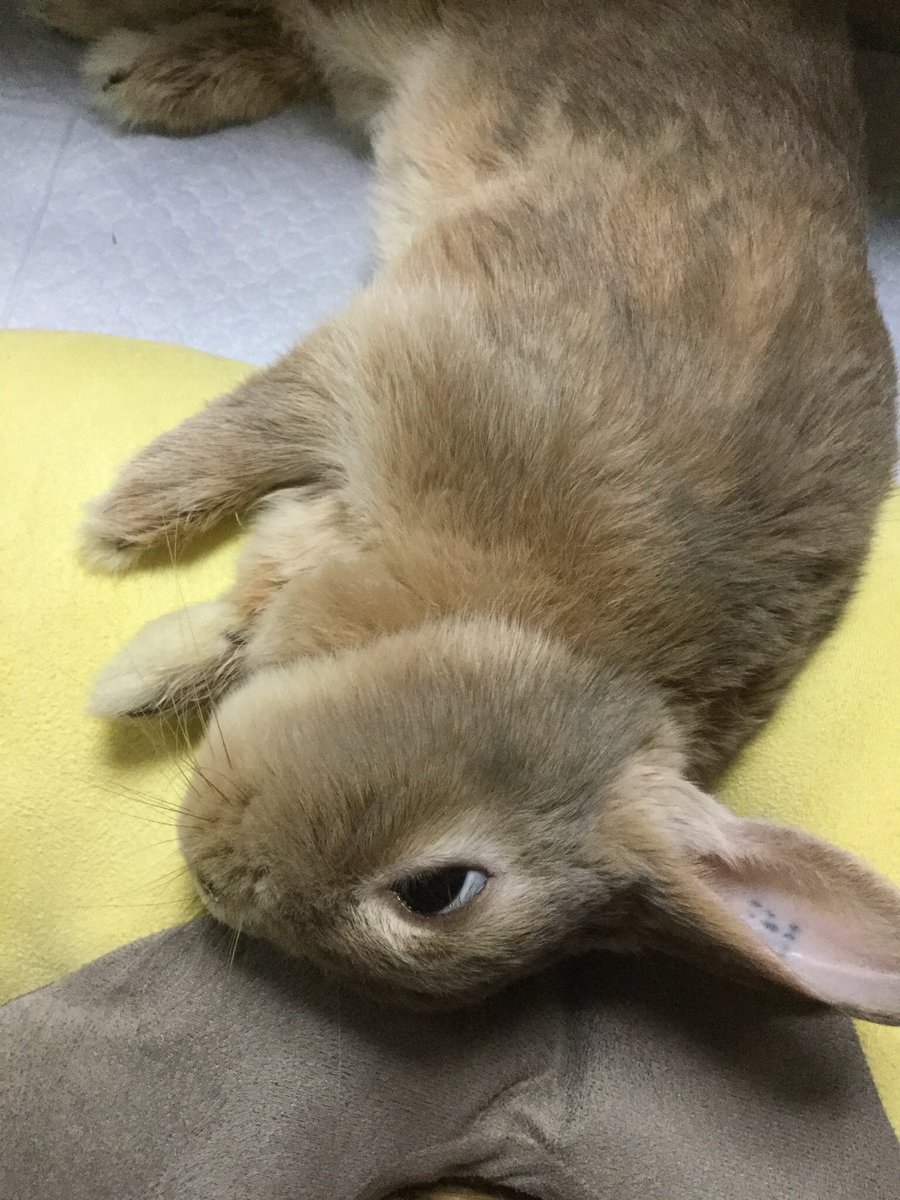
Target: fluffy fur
x,y
556,508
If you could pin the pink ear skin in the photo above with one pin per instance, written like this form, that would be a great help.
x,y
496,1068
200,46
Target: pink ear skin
x,y
826,918
760,898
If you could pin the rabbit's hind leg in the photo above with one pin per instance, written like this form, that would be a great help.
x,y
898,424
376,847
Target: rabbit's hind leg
x,y
210,70
91,19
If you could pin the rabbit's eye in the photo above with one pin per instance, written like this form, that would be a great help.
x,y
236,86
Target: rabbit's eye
x,y
436,893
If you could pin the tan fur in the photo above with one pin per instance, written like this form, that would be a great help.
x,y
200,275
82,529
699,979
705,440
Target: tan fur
x,y
557,506
208,70
91,19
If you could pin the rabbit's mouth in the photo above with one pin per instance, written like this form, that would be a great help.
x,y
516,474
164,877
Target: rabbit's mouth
x,y
235,895
211,898
208,893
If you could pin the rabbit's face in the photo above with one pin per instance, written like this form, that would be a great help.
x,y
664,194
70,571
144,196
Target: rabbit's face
x,y
447,809
417,817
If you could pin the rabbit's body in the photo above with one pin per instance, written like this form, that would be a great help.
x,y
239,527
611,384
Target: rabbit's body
x,y
650,403
647,296
561,502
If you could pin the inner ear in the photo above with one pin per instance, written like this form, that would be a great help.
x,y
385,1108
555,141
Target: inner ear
x,y
830,921
769,899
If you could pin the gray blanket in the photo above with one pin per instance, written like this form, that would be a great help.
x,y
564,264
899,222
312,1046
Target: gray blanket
x,y
163,1070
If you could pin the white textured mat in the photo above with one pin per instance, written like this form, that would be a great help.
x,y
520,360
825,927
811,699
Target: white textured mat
x,y
235,243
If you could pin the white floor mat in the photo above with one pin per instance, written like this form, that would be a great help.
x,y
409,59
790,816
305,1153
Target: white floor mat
x,y
235,243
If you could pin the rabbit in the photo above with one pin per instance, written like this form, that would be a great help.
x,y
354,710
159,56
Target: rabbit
x,y
189,66
548,518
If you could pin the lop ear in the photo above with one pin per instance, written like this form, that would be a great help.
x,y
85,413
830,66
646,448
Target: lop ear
x,y
772,900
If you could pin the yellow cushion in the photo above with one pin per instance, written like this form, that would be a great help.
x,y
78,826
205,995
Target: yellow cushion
x,y
89,860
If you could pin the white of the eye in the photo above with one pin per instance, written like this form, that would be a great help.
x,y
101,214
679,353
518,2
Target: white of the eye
x,y
472,884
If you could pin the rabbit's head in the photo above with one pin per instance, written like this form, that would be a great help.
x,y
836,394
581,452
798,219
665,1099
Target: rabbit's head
x,y
446,809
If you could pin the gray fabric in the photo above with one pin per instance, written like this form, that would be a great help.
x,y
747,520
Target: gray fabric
x,y
164,1071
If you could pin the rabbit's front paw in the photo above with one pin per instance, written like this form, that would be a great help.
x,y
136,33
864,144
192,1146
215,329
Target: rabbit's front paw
x,y
114,533
141,510
181,661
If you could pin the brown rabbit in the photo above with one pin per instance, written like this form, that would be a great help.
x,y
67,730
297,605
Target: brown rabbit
x,y
555,509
